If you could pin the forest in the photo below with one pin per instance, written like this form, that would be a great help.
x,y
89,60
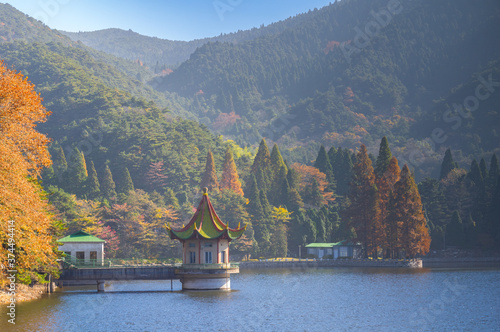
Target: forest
x,y
384,150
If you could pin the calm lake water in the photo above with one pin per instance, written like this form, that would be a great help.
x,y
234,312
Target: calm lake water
x,y
323,299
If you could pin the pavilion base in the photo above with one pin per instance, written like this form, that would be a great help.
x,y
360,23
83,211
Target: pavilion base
x,y
206,279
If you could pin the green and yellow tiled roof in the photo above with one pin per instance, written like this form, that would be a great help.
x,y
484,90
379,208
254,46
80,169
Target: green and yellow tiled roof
x,y
206,224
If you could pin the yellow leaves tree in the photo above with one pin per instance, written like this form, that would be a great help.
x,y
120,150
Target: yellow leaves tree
x,y
23,205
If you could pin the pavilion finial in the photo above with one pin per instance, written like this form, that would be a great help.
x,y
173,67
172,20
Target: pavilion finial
x,y
205,191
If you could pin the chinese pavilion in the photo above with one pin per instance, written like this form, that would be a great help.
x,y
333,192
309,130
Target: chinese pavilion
x,y
205,249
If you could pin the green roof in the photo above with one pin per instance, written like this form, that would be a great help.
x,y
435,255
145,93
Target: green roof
x,y
80,236
206,224
329,245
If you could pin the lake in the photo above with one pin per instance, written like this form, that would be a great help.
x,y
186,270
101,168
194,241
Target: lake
x,y
321,299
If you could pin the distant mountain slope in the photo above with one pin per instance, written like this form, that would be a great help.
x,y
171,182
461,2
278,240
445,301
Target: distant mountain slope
x,y
328,80
151,50
18,31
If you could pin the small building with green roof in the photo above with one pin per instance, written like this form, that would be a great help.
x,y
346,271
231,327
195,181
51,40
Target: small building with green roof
x,y
205,246
83,246
342,249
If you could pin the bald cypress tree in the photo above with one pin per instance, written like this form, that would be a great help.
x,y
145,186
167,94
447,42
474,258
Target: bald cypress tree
x,y
406,211
230,179
209,179
363,213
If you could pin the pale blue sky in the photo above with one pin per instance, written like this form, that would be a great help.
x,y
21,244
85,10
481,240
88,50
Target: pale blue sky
x,y
175,20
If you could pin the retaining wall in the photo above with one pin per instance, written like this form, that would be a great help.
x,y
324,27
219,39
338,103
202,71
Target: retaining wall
x,y
410,263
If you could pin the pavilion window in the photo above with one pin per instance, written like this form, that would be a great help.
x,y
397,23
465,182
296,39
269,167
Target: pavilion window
x,y
223,257
192,257
93,255
80,255
208,257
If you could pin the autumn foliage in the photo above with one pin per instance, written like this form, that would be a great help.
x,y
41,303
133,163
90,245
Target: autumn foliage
x,y
23,154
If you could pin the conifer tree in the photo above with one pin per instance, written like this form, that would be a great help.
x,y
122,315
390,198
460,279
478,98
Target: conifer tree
x,y
261,167
77,173
405,211
125,185
209,179
455,231
483,168
364,209
108,184
230,179
277,162
323,164
84,164
494,171
447,165
332,153
60,163
93,187
384,157
385,186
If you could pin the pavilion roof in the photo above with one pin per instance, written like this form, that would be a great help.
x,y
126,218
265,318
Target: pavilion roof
x,y
80,236
206,224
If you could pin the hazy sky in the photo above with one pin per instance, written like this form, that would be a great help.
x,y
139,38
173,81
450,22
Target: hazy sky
x,y
176,20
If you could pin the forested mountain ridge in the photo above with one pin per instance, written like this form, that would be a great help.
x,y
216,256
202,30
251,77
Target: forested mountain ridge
x,y
160,53
327,81
19,31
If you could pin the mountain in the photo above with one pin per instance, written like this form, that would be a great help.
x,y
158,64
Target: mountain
x,y
350,73
160,54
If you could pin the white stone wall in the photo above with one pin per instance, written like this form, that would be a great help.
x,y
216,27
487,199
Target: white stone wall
x,y
86,247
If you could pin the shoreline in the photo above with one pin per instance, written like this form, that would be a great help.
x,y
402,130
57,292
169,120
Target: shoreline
x,y
23,293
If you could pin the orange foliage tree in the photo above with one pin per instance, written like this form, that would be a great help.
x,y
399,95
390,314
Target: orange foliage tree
x,y
307,175
26,224
230,179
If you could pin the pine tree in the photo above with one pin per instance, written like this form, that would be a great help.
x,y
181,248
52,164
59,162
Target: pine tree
x,y
93,187
405,211
323,164
447,165
384,157
125,185
108,185
209,179
364,209
230,179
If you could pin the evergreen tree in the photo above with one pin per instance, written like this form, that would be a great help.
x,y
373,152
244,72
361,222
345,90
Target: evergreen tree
x,y
447,165
125,185
77,173
230,179
60,163
493,174
435,207
261,167
108,184
455,231
277,163
323,164
483,168
383,159
93,187
209,179
406,212
332,154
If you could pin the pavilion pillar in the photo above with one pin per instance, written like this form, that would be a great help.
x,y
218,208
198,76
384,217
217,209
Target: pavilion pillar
x,y
100,286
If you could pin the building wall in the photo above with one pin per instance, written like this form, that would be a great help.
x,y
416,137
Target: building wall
x,y
201,247
86,247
